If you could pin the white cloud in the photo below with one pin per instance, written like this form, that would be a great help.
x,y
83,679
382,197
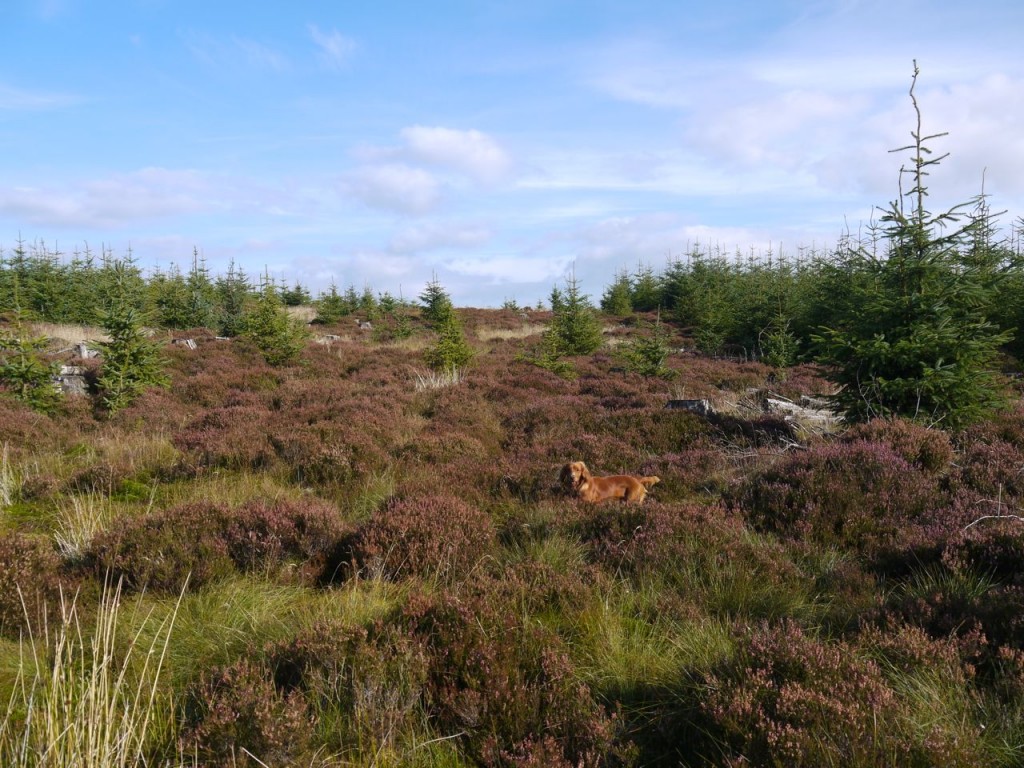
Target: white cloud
x,y
395,187
335,49
110,202
470,152
511,269
438,235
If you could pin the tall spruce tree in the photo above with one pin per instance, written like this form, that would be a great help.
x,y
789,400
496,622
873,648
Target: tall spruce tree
x,y
916,341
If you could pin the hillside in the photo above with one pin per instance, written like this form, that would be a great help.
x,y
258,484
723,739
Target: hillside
x,y
348,560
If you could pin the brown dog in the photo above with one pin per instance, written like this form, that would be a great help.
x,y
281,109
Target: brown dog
x,y
577,480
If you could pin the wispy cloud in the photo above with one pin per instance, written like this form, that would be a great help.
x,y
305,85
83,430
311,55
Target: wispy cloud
x,y
435,235
335,49
18,99
116,200
236,53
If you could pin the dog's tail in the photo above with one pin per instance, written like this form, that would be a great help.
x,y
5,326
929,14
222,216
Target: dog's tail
x,y
649,481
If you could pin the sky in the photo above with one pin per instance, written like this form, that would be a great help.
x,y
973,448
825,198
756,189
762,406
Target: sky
x,y
497,146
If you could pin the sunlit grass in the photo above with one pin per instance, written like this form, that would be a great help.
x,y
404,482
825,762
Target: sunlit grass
x,y
427,380
79,519
85,698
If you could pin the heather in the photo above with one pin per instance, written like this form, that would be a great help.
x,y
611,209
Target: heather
x,y
350,568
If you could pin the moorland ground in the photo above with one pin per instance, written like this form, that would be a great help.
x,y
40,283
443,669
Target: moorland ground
x,y
346,560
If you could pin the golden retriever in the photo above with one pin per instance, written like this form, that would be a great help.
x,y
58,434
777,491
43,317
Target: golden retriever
x,y
577,480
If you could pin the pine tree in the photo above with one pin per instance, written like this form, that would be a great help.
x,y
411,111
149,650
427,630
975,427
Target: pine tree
x,y
436,302
131,362
916,340
269,326
452,351
202,294
331,307
233,292
646,354
25,371
617,298
575,322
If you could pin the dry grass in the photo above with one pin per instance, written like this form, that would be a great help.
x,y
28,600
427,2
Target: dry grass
x,y
64,335
507,334
426,380
302,314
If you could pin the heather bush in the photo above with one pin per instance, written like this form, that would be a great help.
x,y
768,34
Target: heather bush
x,y
31,583
364,684
235,716
788,698
233,436
438,535
704,553
852,495
925,448
506,685
202,542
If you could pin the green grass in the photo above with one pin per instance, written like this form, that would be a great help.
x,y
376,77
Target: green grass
x,y
84,697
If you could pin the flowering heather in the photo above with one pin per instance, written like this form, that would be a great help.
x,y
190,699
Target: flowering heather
x,y
855,495
202,542
436,535
507,685
235,716
788,698
30,571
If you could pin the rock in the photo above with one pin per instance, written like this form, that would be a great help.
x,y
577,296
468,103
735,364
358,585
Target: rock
x,y
71,380
699,407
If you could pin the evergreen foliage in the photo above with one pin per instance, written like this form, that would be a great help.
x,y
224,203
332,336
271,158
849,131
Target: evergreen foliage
x,y
437,304
916,340
233,291
269,326
647,354
331,307
451,351
132,363
618,297
25,371
575,322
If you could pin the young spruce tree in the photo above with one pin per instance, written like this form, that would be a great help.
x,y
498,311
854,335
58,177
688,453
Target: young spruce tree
x,y
916,341
132,363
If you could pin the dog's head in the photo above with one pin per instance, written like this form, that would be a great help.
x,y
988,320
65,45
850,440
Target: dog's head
x,y
573,475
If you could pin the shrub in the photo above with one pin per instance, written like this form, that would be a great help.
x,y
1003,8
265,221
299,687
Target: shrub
x,y
29,571
923,447
364,685
235,716
509,687
852,495
424,536
202,542
790,699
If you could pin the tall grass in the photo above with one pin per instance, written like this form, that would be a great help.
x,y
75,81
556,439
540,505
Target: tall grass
x,y
80,518
8,481
89,702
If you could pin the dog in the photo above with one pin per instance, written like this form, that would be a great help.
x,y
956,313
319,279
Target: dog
x,y
577,480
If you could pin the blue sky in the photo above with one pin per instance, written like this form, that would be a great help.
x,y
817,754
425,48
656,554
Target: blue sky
x,y
498,145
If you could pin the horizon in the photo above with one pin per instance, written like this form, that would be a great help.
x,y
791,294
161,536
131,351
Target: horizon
x,y
497,146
